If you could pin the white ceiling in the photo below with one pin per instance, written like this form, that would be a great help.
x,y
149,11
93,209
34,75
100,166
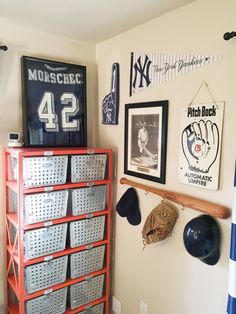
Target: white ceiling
x,y
90,21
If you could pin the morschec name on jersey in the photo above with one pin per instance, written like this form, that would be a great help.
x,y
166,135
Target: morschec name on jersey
x,y
54,78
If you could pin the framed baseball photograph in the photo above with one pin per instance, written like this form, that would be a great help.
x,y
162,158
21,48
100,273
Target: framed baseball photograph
x,y
146,140
54,103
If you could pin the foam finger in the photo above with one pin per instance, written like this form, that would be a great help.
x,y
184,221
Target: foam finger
x,y
114,77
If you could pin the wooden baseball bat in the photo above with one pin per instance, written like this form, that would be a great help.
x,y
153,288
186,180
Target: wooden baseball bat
x,y
206,207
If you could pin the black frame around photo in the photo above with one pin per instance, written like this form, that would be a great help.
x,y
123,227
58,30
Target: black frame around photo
x,y
54,103
146,140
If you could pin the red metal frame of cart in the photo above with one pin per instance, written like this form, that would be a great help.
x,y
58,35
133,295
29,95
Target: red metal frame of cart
x,y
15,250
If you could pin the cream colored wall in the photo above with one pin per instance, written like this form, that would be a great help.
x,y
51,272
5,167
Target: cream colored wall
x,y
164,275
24,42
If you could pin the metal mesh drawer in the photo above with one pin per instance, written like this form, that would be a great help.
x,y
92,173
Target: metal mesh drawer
x,y
46,274
42,171
86,231
87,200
13,167
41,206
53,303
87,261
86,291
43,241
97,309
88,167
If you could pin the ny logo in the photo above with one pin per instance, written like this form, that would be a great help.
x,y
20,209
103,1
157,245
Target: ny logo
x,y
141,72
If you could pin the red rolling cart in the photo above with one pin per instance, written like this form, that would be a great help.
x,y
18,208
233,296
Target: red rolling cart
x,y
58,229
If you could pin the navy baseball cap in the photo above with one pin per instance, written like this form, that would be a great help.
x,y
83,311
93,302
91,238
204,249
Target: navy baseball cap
x,y
202,239
128,206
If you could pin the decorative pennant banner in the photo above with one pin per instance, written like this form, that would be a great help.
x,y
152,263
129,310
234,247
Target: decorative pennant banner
x,y
151,69
201,133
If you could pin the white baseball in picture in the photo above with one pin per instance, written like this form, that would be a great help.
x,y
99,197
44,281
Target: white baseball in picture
x,y
200,144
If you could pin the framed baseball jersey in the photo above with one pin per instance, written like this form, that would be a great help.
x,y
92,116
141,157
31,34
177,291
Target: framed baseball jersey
x,y
54,103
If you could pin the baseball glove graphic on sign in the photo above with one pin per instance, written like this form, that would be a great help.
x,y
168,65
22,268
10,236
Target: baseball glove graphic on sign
x,y
200,145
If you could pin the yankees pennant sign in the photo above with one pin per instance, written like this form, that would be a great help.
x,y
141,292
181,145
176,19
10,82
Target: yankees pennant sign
x,y
200,144
151,69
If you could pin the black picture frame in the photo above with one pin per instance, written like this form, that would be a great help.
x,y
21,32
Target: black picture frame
x,y
145,140
53,103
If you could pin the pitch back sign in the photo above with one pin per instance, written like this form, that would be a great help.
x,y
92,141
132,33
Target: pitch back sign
x,y
200,145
